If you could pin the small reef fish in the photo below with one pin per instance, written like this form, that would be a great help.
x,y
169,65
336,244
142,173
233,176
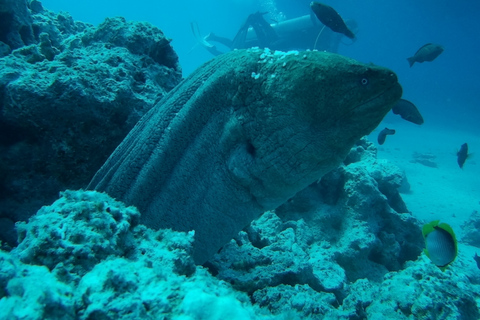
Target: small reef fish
x,y
383,135
408,111
330,18
477,260
462,155
428,52
440,243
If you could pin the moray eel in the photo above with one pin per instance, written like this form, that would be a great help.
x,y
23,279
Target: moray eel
x,y
241,135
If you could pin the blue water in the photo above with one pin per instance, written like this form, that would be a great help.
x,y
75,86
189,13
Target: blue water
x,y
446,90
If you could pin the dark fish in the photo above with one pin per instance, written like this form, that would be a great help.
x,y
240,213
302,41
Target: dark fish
x,y
330,18
426,53
383,135
440,243
477,260
462,155
407,111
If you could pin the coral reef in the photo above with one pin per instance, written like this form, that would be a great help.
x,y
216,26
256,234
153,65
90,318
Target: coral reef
x,y
15,25
422,291
345,247
354,234
338,249
69,93
471,230
86,257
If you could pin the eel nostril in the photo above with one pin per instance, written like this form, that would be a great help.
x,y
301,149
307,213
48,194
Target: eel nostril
x,y
391,78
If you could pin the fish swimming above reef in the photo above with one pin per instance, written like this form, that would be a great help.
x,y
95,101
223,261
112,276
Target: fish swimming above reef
x,y
462,155
383,135
241,135
330,18
428,52
440,242
408,111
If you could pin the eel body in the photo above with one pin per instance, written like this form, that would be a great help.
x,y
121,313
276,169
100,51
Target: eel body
x,y
241,135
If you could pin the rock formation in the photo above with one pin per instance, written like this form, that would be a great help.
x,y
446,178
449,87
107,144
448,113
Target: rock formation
x,y
69,94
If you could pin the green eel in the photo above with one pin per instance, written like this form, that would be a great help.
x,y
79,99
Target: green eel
x,y
241,135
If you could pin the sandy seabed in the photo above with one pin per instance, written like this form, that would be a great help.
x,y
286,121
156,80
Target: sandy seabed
x,y
439,188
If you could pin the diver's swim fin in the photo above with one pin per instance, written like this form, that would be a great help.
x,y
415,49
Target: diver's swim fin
x,y
202,40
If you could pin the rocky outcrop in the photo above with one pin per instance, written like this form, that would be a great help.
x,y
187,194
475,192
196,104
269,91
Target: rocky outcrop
x,y
69,93
93,260
86,257
339,230
15,25
471,230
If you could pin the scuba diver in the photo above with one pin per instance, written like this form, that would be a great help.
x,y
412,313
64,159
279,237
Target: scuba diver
x,y
302,33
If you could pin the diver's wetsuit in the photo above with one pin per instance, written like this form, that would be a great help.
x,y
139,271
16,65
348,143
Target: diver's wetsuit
x,y
301,33
266,35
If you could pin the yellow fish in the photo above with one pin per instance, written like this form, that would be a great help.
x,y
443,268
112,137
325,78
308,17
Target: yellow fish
x,y
440,243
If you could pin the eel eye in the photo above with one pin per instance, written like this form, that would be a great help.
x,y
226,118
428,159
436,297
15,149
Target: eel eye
x,y
364,81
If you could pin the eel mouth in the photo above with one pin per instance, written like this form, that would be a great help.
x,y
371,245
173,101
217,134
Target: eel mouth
x,y
389,95
377,105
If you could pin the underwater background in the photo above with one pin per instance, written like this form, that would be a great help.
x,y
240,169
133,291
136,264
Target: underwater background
x,y
389,32
348,246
